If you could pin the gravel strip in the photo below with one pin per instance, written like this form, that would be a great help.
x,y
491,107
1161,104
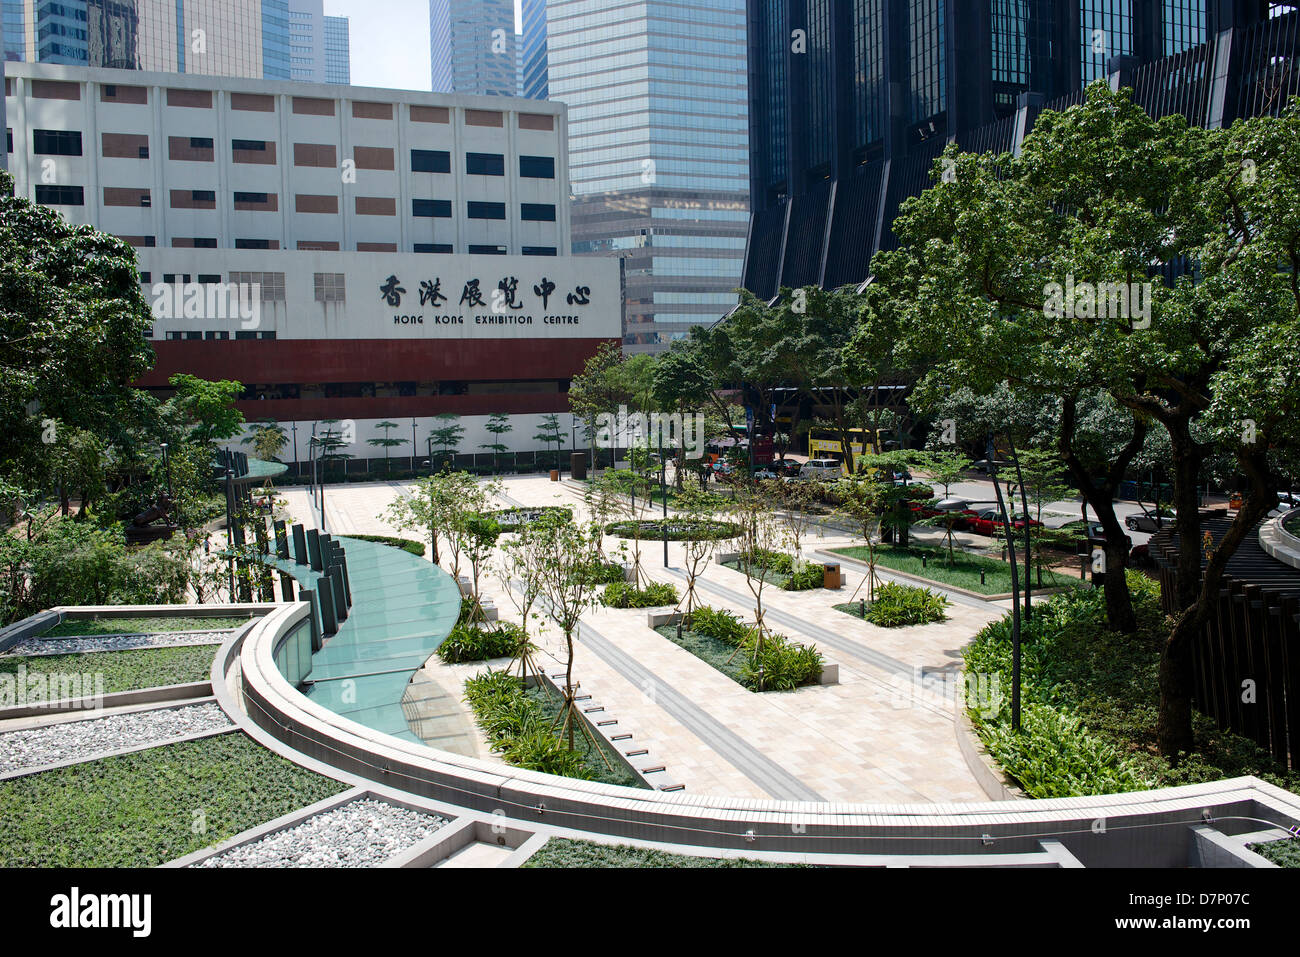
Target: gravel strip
x,y
35,647
73,740
361,833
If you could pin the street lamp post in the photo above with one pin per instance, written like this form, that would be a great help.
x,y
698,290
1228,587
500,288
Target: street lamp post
x,y
429,444
412,445
991,462
167,468
230,529
297,466
663,491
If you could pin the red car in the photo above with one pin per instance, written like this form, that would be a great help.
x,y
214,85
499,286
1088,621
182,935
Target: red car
x,y
988,520
921,510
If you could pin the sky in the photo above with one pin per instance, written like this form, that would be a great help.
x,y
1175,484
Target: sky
x,y
390,41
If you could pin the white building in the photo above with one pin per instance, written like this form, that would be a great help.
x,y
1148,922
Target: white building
x,y
318,195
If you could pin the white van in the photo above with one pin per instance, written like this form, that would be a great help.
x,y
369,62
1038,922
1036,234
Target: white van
x,y
824,470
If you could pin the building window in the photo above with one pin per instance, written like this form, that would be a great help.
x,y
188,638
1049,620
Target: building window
x,y
478,250
537,167
209,277
271,283
435,208
482,210
329,287
536,121
430,161
173,336
241,334
60,195
266,335
56,142
485,164
248,144
194,149
257,202
257,244
433,247
538,212
376,206
483,118
539,251
193,335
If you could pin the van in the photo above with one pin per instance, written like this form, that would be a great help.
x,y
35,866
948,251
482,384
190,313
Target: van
x,y
824,470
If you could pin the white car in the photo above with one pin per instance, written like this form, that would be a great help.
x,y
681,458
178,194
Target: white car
x,y
823,470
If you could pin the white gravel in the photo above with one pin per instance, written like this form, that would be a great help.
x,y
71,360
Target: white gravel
x,y
75,644
361,833
77,740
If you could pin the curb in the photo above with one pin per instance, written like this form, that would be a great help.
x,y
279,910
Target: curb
x,y
993,781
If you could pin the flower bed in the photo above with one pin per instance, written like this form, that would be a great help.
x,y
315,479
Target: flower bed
x,y
898,605
782,570
627,595
469,643
512,519
725,643
679,529
405,544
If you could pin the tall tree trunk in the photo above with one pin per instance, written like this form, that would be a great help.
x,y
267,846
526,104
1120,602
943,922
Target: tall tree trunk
x,y
1187,458
1174,728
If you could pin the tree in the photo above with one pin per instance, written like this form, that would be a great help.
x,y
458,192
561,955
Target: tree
x,y
448,436
207,406
550,432
758,537
565,553
439,506
945,467
386,442
1064,271
864,497
521,577
696,505
480,537
498,425
72,329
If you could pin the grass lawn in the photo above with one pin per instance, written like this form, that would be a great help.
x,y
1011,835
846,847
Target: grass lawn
x,y
122,670
963,573
143,809
137,626
563,852
615,773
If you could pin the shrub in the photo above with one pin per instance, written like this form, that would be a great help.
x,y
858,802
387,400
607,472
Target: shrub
x,y
516,728
405,544
511,519
768,560
811,575
782,665
627,595
898,605
604,573
679,529
470,643
718,624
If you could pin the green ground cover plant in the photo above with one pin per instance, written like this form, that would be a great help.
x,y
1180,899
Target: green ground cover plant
x,y
137,626
627,595
405,544
564,852
781,570
898,606
1091,700
150,807
722,641
122,670
470,643
519,724
932,564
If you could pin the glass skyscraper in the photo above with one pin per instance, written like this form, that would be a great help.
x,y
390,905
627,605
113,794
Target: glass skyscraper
x,y
851,101
532,57
245,38
338,51
472,47
658,154
318,45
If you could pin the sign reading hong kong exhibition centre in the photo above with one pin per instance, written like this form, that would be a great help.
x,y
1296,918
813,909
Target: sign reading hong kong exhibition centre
x,y
367,295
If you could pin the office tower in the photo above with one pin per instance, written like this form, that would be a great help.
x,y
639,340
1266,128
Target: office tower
x,y
472,47
338,51
657,152
318,45
846,123
532,50
246,38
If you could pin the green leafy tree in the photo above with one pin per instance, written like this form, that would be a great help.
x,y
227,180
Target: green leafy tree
x,y
448,436
207,406
498,424
550,433
386,442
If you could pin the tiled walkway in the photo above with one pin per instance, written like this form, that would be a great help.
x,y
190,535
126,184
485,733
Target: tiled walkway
x,y
879,735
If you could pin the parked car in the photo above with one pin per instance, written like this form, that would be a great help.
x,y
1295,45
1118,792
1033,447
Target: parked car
x,y
986,521
922,510
790,469
763,473
822,470
1145,523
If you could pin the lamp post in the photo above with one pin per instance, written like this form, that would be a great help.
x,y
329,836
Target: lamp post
x,y
991,462
167,468
297,468
429,444
230,529
1024,505
412,445
663,491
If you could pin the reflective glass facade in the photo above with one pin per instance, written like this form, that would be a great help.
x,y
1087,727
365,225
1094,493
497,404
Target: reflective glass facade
x,y
472,47
927,65
1106,30
246,38
338,51
532,54
658,151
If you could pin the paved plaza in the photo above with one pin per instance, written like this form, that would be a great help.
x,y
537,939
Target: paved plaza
x,y
884,733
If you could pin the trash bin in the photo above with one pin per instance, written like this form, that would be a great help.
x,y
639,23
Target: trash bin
x,y
578,466
555,475
831,575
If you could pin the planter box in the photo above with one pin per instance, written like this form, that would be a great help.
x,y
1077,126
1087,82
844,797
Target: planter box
x,y
830,674
655,619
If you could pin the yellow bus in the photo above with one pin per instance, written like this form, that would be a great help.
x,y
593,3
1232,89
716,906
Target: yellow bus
x,y
825,444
